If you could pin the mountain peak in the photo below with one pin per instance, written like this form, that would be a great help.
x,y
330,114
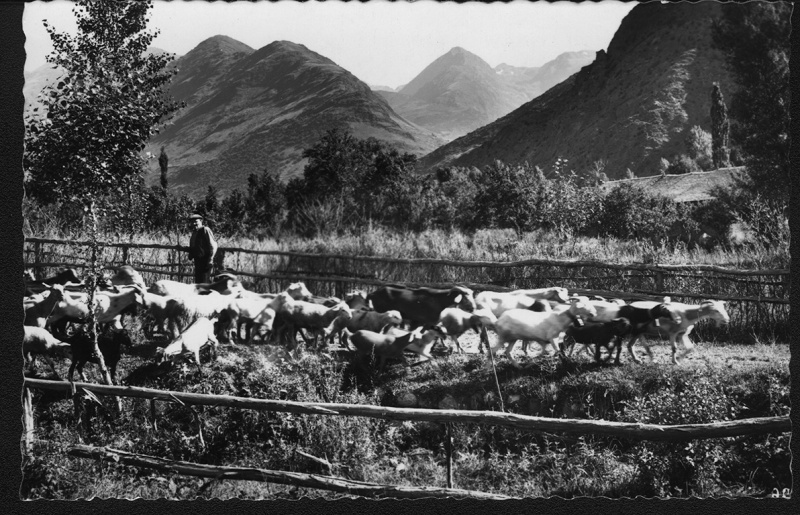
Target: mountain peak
x,y
458,55
222,43
455,62
290,53
457,50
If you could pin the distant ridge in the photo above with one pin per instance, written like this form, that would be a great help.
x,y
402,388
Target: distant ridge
x,y
250,110
459,92
629,109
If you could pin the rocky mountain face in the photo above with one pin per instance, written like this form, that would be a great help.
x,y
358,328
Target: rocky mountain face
x,y
459,92
250,110
632,106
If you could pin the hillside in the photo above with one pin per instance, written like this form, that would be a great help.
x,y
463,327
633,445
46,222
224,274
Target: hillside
x,y
632,106
248,110
460,92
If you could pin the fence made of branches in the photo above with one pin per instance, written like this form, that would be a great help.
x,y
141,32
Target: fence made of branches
x,y
757,300
446,417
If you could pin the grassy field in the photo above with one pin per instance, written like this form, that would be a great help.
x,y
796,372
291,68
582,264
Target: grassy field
x,y
487,244
717,382
727,377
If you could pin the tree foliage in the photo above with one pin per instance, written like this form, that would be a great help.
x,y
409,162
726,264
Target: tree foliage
x,y
163,165
363,175
699,147
100,113
755,37
631,212
265,203
720,129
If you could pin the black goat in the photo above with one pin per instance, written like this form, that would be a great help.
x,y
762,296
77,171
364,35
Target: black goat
x,y
83,350
599,335
640,318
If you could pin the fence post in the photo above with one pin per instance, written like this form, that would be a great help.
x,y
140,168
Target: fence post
x,y
37,259
219,259
124,254
448,449
659,281
27,419
153,413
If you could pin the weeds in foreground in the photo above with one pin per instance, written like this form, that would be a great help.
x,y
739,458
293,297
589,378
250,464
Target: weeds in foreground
x,y
487,458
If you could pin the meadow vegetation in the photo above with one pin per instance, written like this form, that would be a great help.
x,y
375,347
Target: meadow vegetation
x,y
721,382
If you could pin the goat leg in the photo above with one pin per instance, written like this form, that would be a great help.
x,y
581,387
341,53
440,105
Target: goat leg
x,y
630,349
71,372
458,344
597,357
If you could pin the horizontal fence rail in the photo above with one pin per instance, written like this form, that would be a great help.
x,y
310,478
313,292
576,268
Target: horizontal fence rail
x,y
319,482
427,261
758,300
674,433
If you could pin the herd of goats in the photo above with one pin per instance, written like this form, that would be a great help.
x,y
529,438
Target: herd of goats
x,y
384,324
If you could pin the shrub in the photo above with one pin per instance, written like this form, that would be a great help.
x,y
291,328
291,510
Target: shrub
x,y
511,197
698,147
683,164
631,212
689,467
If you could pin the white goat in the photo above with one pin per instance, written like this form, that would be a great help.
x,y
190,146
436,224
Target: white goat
x,y
36,314
606,310
107,306
500,302
156,306
456,322
224,286
689,315
298,314
546,328
39,342
190,342
553,293
262,324
73,307
248,306
126,275
182,311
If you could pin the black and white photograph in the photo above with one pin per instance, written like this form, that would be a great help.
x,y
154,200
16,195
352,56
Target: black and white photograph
x,y
405,250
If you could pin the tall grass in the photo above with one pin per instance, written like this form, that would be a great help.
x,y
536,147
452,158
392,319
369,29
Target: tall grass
x,y
483,245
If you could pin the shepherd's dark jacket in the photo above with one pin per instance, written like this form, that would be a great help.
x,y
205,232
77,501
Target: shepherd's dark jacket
x,y
202,245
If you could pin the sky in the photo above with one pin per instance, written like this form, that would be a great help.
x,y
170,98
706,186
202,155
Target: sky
x,y
380,42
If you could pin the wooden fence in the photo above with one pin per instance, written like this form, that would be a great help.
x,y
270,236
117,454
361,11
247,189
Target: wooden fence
x,y
758,300
674,433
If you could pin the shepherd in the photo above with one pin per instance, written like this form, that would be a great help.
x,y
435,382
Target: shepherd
x,y
202,248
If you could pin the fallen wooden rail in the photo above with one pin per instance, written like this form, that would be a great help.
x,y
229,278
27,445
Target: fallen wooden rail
x,y
335,484
675,433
